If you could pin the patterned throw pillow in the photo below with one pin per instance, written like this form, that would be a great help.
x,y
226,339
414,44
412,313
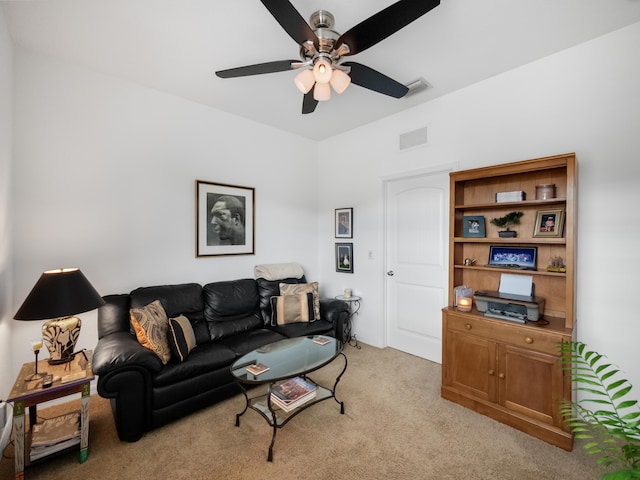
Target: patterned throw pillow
x,y
297,288
292,308
181,337
151,326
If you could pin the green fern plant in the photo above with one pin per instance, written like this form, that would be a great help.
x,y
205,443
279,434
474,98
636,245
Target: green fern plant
x,y
606,418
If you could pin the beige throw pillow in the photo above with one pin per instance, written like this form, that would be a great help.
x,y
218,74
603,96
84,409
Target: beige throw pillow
x,y
298,288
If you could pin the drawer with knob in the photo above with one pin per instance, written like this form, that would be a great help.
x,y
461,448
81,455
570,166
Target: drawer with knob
x,y
532,337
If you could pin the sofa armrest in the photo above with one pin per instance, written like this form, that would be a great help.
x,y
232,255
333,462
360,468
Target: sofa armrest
x,y
337,312
120,350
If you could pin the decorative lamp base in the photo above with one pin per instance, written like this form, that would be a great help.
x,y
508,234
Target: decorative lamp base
x,y
60,336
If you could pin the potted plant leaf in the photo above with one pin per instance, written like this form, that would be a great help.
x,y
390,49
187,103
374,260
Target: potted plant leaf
x,y
607,418
512,218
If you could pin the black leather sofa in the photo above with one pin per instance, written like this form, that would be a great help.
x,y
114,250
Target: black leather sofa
x,y
229,319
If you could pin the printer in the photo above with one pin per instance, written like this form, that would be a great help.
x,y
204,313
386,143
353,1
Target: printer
x,y
514,301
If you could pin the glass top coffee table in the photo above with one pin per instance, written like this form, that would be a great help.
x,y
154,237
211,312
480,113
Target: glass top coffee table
x,y
285,360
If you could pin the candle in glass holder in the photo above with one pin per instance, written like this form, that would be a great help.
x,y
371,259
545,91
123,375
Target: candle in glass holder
x,y
464,304
347,293
36,344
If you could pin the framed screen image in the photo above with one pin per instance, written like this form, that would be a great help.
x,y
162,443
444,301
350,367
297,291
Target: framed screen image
x,y
524,258
473,226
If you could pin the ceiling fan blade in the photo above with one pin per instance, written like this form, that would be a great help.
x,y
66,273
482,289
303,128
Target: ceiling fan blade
x,y
309,103
373,80
291,20
384,24
258,69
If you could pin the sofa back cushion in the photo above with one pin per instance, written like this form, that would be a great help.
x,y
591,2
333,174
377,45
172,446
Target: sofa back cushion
x,y
271,288
183,299
113,316
231,307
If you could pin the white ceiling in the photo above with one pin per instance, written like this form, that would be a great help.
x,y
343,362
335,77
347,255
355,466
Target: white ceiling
x,y
176,46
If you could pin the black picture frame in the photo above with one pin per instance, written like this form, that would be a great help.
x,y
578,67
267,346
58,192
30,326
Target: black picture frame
x,y
344,257
525,258
473,226
225,219
344,223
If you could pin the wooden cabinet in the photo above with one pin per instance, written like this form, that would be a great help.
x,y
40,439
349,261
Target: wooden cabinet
x,y
510,371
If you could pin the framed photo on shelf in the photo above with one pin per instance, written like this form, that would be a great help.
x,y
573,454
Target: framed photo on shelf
x,y
344,222
549,223
473,226
225,219
344,257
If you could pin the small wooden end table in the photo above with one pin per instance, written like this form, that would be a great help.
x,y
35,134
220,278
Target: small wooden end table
x,y
69,378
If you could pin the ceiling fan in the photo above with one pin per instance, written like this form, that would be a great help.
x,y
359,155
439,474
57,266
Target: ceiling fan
x,y
322,50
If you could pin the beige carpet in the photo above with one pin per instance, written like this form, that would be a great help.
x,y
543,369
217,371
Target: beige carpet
x,y
395,426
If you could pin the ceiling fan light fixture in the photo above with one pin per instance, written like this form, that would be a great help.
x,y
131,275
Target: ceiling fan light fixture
x,y
322,92
340,81
322,71
305,80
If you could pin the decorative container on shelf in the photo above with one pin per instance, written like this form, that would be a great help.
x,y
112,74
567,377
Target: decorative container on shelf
x,y
507,234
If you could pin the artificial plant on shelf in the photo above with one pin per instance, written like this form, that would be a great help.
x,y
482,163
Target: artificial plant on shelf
x,y
606,418
512,218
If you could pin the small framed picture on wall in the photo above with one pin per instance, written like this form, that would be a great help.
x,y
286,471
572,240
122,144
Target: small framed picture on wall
x,y
344,257
344,222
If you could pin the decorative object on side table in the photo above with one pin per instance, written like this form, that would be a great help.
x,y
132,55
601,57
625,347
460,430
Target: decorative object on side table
x,y
612,430
344,222
512,218
36,345
56,297
225,219
344,257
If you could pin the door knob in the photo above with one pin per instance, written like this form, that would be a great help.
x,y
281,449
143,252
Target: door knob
x,y
390,273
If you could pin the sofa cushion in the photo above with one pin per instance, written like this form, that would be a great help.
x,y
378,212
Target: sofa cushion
x,y
181,299
295,289
292,308
202,359
181,337
151,326
271,288
302,329
231,307
243,344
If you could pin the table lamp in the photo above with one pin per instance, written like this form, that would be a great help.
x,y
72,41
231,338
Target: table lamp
x,y
56,297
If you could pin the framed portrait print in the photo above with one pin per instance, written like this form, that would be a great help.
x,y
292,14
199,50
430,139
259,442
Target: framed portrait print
x,y
549,223
344,222
473,226
344,257
225,219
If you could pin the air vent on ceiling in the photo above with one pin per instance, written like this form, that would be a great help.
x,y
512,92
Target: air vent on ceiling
x,y
414,138
417,86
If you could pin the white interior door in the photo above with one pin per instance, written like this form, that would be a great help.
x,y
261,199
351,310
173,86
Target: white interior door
x,y
416,263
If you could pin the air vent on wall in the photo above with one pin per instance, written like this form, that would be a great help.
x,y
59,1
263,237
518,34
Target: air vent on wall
x,y
413,138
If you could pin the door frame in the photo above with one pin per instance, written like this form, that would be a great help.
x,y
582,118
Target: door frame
x,y
382,232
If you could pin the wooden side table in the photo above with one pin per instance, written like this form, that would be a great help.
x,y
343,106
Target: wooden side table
x,y
70,378
354,306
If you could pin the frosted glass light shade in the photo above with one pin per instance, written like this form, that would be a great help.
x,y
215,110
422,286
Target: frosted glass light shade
x,y
322,71
322,92
304,80
340,81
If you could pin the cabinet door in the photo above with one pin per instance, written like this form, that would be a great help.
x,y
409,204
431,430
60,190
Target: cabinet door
x,y
471,365
530,383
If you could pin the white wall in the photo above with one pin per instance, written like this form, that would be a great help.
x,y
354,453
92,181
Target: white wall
x,y
6,74
104,179
584,100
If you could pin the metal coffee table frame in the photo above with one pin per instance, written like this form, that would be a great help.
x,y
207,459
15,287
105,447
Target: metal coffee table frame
x,y
292,357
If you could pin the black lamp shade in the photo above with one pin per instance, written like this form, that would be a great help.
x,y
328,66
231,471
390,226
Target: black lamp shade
x,y
59,293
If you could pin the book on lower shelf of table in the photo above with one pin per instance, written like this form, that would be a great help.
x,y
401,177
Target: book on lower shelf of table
x,y
293,393
55,434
